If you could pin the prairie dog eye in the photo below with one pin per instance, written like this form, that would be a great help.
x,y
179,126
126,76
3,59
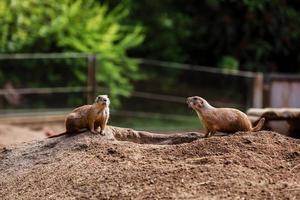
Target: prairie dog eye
x,y
194,98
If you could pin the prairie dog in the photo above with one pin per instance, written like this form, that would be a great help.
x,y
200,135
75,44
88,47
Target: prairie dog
x,y
226,120
87,117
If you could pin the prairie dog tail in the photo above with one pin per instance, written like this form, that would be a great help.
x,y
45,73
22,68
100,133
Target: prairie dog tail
x,y
259,125
56,135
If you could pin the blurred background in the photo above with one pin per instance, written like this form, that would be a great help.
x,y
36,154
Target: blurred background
x,y
148,56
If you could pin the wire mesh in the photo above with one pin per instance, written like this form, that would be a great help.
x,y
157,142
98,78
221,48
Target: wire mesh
x,y
35,82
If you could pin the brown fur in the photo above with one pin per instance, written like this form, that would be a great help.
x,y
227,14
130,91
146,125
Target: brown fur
x,y
226,120
87,117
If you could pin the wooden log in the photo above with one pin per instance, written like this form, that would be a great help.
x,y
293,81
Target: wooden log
x,y
275,113
288,119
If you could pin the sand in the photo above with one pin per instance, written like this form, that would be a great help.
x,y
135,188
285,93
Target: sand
x,y
10,134
261,165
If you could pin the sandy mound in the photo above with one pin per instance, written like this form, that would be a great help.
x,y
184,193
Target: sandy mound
x,y
262,165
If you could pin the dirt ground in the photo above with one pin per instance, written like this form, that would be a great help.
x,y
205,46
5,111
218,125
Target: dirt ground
x,y
10,134
261,165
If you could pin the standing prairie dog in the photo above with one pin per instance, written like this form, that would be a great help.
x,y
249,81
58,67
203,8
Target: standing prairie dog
x,y
87,117
226,120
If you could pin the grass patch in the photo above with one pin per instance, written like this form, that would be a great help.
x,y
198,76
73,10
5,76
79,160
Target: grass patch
x,y
157,122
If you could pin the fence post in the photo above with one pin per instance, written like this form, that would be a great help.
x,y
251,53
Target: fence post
x,y
257,97
92,82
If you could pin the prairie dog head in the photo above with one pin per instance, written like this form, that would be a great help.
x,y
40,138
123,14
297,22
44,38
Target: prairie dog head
x,y
102,100
197,103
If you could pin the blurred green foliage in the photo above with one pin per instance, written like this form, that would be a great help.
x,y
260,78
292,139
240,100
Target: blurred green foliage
x,y
255,35
261,35
71,26
229,63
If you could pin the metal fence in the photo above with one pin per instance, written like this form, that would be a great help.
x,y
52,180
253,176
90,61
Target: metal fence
x,y
156,102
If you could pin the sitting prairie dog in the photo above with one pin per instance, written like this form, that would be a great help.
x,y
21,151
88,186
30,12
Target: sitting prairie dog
x,y
226,120
87,117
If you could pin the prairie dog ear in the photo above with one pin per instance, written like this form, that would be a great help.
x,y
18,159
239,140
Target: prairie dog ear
x,y
97,99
